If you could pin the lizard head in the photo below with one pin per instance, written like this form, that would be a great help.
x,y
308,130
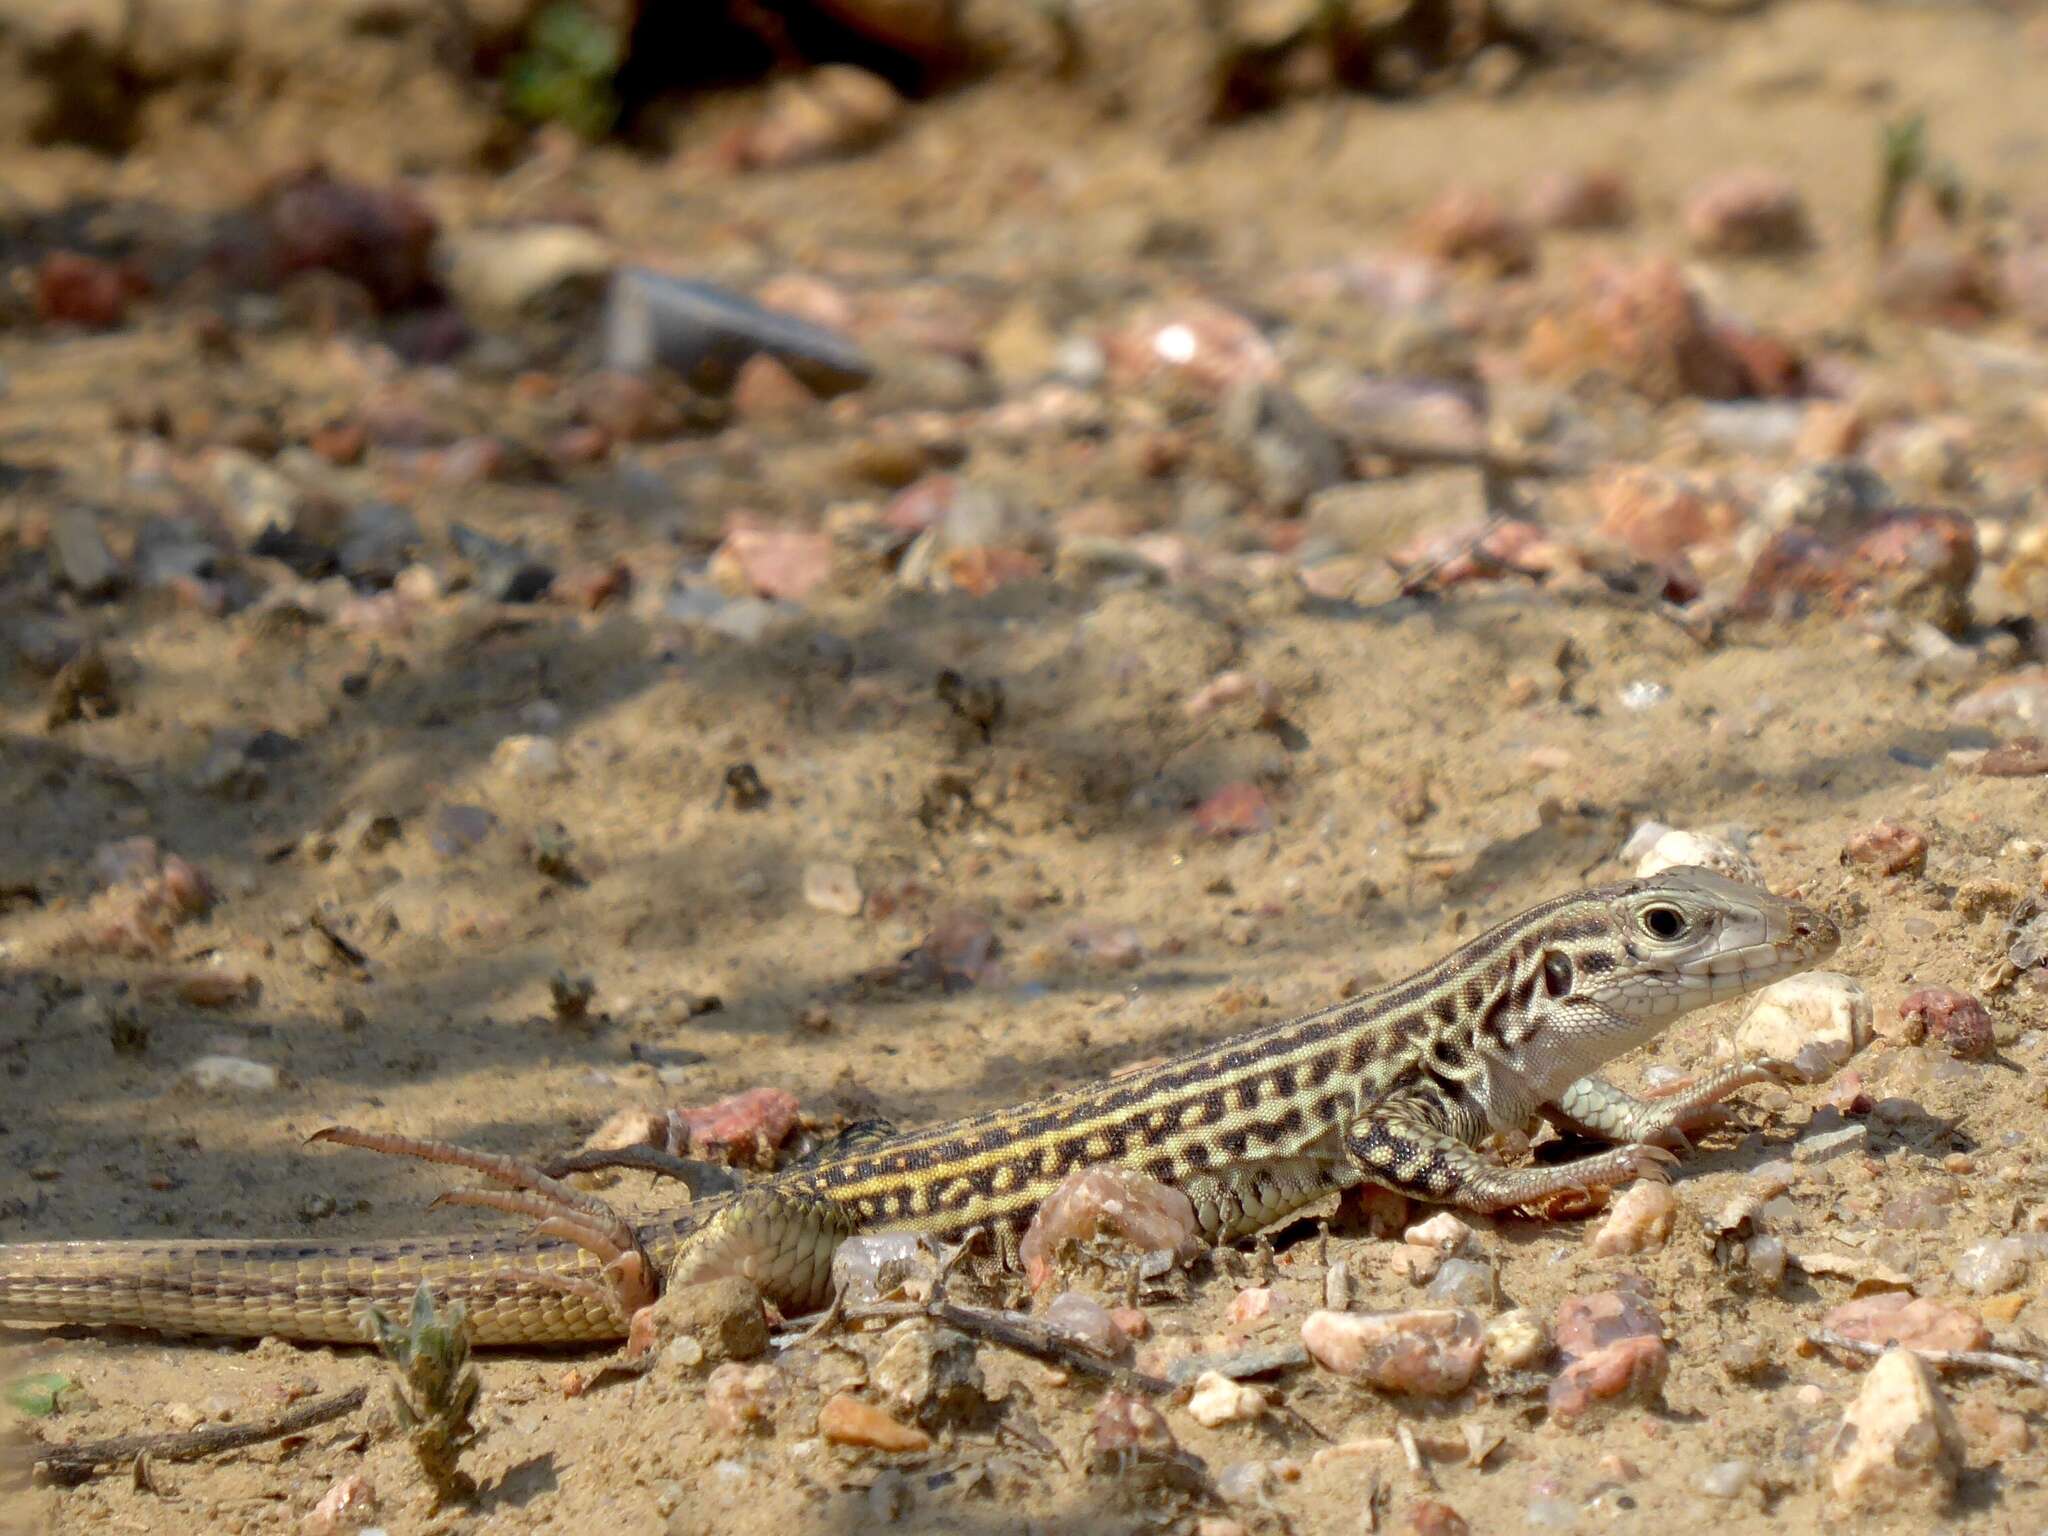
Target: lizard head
x,y
1665,945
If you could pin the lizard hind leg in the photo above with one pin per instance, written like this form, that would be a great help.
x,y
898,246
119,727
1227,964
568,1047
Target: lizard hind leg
x,y
780,1239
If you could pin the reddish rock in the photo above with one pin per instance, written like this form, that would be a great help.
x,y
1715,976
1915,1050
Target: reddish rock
x,y
764,390
1586,1324
380,238
983,569
1921,563
830,112
1432,1517
1936,283
847,1420
1888,848
1657,515
590,587
1590,199
1103,1202
1631,1371
1955,1019
744,1127
783,563
2024,757
580,445
1747,213
1433,1352
341,442
75,289
1456,555
1463,225
1235,810
1916,1322
1191,344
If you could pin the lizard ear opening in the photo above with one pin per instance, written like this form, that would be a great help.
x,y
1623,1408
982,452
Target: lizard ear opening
x,y
1557,973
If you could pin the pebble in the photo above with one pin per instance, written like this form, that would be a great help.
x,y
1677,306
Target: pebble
x,y
1082,1320
84,562
833,888
1997,1263
1125,1426
1445,1234
930,1373
1726,1479
2025,757
847,1420
348,1505
1816,1020
530,760
1746,213
1219,1400
1424,1353
781,564
1517,1340
1632,1370
1837,499
231,1074
1614,1350
1462,1283
885,1266
715,1320
1827,1145
1093,1203
1680,848
1953,1019
1641,1219
1899,1441
1917,1322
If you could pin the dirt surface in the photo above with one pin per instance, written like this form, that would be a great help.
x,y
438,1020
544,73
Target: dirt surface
x,y
1414,767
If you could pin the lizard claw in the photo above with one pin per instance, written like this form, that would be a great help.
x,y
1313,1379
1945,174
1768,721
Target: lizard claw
x,y
1652,1162
1784,1073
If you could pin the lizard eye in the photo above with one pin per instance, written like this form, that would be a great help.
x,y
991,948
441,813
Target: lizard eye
x,y
1665,923
1557,973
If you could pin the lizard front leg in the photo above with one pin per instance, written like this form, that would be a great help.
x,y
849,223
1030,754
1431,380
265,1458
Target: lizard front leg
x,y
1399,1144
1594,1107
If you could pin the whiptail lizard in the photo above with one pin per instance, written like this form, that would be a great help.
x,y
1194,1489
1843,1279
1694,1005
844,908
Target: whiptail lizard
x,y
1397,1086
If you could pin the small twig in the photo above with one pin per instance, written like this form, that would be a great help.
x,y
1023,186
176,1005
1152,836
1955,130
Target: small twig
x,y
1940,1359
1435,455
75,1462
1415,582
1029,1337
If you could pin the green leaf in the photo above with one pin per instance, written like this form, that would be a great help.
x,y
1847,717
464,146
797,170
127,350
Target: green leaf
x,y
37,1395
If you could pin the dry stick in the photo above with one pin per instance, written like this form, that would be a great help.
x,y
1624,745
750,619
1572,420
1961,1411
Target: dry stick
x,y
1450,455
1967,1359
74,1462
1029,1337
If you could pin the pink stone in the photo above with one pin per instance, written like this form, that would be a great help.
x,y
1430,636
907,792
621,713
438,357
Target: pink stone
x,y
1099,1202
1632,1370
1235,810
1432,1353
775,562
1917,1322
1589,1323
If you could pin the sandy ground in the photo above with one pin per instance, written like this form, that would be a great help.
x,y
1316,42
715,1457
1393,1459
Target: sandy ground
x,y
1123,932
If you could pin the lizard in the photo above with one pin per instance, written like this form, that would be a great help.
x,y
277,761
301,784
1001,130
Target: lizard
x,y
1399,1086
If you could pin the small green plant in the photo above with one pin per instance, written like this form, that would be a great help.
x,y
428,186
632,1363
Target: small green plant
x,y
38,1395
1902,161
567,72
436,1390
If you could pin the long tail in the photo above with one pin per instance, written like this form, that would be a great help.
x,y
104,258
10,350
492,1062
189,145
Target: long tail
x,y
307,1291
